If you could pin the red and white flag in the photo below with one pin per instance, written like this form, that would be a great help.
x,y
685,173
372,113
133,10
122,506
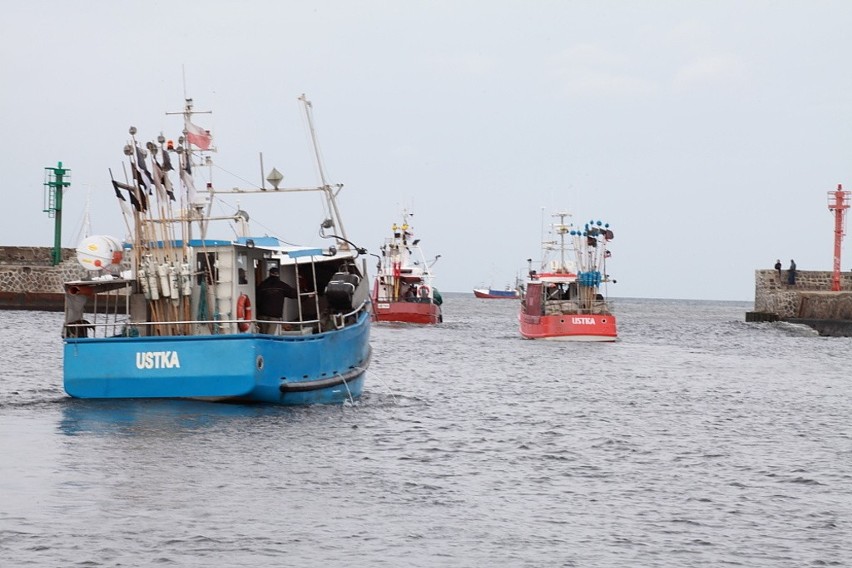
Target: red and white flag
x,y
197,136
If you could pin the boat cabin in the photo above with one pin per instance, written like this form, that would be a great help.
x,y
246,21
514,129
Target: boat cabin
x,y
215,292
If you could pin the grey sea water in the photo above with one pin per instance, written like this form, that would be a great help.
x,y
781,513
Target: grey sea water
x,y
695,440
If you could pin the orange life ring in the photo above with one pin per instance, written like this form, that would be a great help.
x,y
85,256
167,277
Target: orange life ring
x,y
244,312
424,291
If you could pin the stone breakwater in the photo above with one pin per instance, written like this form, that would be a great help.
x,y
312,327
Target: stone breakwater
x,y
28,280
810,300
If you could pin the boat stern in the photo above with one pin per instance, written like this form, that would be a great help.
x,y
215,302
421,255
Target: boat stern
x,y
569,327
174,367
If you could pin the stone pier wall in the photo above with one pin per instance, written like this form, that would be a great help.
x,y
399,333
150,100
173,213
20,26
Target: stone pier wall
x,y
28,280
809,298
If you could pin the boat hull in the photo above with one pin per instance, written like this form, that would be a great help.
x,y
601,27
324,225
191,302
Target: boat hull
x,y
407,312
321,368
496,294
569,327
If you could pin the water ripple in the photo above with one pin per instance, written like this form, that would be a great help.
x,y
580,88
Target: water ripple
x,y
695,440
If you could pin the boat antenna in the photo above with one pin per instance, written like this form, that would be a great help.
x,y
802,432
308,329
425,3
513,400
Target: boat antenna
x,y
541,240
183,78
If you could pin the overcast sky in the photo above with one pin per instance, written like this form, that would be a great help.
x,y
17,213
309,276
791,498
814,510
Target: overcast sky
x,y
708,134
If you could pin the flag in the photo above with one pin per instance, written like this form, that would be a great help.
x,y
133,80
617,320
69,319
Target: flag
x,y
140,181
188,183
164,174
140,203
145,178
167,184
198,136
167,162
118,190
162,183
158,182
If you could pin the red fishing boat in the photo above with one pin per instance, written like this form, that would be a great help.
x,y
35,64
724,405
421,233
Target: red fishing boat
x,y
403,290
565,300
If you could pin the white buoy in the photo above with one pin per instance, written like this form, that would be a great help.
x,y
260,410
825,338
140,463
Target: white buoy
x,y
99,252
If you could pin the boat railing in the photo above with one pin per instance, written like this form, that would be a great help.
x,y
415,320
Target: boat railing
x,y
128,328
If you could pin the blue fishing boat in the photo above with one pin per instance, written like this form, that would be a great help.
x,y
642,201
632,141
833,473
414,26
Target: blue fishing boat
x,y
174,312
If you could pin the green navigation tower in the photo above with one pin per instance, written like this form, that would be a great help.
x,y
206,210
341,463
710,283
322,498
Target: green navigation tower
x,y
55,181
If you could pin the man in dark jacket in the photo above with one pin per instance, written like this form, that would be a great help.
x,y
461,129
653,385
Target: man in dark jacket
x,y
270,301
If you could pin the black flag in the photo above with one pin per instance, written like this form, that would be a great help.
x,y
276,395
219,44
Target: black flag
x,y
117,190
140,204
143,175
167,162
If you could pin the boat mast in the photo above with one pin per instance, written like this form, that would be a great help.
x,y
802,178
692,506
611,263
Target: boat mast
x,y
561,229
185,153
327,189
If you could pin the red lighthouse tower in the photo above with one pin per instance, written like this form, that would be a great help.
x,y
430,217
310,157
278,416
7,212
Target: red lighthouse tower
x,y
838,202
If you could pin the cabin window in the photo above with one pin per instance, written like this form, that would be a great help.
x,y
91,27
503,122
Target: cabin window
x,y
206,268
242,264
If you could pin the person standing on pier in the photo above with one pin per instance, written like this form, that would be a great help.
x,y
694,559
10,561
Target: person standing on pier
x,y
791,273
778,268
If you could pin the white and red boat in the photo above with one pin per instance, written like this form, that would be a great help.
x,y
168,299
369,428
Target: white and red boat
x,y
494,294
565,300
403,290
